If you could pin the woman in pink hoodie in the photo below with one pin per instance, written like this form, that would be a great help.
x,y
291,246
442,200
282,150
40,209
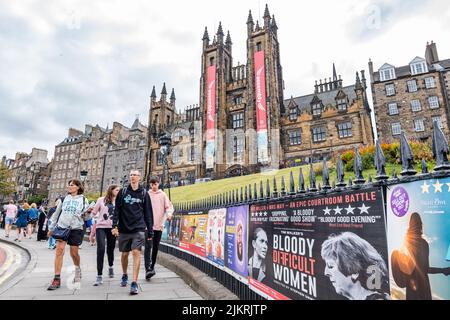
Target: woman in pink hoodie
x,y
103,212
160,205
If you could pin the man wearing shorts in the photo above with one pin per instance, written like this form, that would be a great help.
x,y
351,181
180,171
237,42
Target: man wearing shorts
x,y
133,215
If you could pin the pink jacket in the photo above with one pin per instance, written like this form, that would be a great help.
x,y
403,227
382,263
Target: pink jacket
x,y
99,211
160,205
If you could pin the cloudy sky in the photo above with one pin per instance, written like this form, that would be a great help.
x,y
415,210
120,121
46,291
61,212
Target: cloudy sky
x,y
67,63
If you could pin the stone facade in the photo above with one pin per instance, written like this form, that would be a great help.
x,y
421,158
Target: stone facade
x,y
332,119
409,98
30,174
124,155
66,164
236,144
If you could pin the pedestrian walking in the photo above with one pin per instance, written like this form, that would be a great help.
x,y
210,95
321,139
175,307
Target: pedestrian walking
x,y
22,220
162,209
103,212
67,228
33,217
11,213
42,224
51,243
132,215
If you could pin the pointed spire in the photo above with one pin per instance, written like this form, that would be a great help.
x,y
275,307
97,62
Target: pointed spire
x,y
291,184
301,182
358,84
274,23
380,162
220,30
358,168
153,95
439,144
424,167
283,187
266,12
334,73
228,40
206,35
172,95
250,18
164,91
406,157
257,25
340,173
312,179
325,176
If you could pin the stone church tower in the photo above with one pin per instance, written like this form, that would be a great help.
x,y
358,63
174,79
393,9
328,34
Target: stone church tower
x,y
242,105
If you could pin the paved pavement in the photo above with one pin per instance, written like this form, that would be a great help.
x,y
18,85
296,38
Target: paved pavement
x,y
165,285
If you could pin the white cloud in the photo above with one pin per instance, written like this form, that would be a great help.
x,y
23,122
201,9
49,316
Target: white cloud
x,y
67,63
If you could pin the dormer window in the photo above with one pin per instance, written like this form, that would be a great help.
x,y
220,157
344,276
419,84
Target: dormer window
x,y
387,72
342,104
293,114
418,66
317,109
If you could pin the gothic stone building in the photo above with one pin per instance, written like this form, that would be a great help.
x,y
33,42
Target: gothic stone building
x,y
409,98
243,123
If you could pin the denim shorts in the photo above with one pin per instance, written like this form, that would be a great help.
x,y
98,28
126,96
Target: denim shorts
x,y
9,220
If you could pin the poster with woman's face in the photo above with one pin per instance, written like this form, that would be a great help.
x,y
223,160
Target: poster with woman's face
x,y
236,239
418,224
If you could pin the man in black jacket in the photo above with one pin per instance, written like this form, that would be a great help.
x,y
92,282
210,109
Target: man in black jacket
x,y
132,216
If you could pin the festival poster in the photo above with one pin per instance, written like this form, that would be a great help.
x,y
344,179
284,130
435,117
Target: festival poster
x,y
261,107
210,116
418,220
330,247
193,232
215,236
171,232
236,240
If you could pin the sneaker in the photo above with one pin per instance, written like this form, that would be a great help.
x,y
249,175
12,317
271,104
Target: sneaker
x,y
77,275
111,272
124,281
98,281
56,283
134,289
149,273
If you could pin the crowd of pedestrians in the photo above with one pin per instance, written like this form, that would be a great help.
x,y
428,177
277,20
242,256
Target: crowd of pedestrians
x,y
130,216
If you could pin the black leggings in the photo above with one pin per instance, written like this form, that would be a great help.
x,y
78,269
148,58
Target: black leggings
x,y
151,249
102,235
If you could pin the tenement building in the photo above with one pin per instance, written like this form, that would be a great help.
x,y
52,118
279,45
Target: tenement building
x,y
106,155
243,124
30,174
409,98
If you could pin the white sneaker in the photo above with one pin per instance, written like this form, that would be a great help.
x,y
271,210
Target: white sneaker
x,y
98,281
77,277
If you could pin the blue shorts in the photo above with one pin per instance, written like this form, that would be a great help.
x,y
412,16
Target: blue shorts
x,y
9,220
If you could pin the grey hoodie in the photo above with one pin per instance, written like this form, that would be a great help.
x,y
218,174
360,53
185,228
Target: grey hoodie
x,y
72,211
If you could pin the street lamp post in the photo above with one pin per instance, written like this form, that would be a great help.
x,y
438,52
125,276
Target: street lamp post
x,y
164,147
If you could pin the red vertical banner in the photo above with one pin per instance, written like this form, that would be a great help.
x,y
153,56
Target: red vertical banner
x,y
261,107
210,116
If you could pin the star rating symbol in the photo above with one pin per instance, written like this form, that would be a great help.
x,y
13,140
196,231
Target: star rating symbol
x,y
350,209
338,210
327,211
364,209
265,213
437,187
425,187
